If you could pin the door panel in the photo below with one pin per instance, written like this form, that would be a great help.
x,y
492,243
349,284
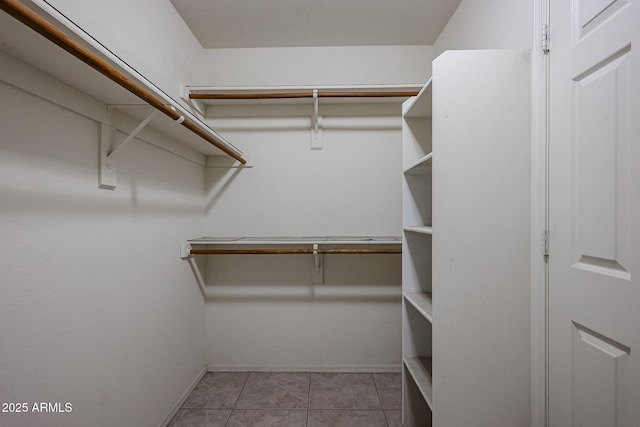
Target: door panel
x,y
601,169
594,204
599,372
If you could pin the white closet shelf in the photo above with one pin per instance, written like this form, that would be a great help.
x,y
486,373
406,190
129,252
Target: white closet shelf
x,y
421,301
420,370
421,106
301,94
422,229
422,166
293,245
107,78
299,240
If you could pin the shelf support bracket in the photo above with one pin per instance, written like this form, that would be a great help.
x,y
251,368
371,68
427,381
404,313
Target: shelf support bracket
x,y
185,250
185,254
316,131
129,138
317,274
108,151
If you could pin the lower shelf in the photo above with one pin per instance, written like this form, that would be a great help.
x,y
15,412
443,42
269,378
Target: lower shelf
x,y
420,370
422,302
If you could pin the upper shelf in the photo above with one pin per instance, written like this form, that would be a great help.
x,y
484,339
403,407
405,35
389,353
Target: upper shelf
x,y
421,106
361,94
107,78
422,302
302,240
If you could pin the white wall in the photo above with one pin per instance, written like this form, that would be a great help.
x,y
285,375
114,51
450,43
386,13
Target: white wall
x,y
317,66
96,307
488,24
263,312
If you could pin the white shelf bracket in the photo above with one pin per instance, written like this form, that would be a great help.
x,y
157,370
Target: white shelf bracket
x,y
185,254
185,250
317,275
108,150
316,132
197,106
129,138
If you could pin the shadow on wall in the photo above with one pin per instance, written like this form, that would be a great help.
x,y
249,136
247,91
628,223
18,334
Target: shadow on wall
x,y
65,199
259,278
218,181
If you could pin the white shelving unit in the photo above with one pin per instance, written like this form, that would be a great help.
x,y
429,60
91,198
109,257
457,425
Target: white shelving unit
x,y
465,286
417,305
481,244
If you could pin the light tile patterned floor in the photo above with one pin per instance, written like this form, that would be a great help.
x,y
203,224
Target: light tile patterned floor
x,y
269,399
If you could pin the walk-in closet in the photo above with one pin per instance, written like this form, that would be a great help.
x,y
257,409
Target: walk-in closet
x,y
303,213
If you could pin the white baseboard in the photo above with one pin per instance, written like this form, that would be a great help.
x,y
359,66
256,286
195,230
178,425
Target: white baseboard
x,y
377,369
184,396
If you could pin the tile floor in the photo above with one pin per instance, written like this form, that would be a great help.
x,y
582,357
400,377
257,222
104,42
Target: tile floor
x,y
266,399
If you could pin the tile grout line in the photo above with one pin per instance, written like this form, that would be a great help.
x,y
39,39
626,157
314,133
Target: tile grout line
x,y
238,398
310,376
384,413
308,400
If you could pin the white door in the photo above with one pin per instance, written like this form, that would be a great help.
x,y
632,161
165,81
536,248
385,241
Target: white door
x,y
594,263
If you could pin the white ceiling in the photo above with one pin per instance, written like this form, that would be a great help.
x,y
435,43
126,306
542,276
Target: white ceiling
x,y
298,23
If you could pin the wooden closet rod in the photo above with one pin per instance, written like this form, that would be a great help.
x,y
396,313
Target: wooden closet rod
x,y
285,95
46,29
291,251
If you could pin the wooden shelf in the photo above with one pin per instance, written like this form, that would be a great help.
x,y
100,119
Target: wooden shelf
x,y
422,166
420,370
422,229
421,106
421,301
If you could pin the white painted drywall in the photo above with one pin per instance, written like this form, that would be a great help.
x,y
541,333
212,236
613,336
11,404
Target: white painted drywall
x,y
488,24
317,66
263,311
97,308
349,187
